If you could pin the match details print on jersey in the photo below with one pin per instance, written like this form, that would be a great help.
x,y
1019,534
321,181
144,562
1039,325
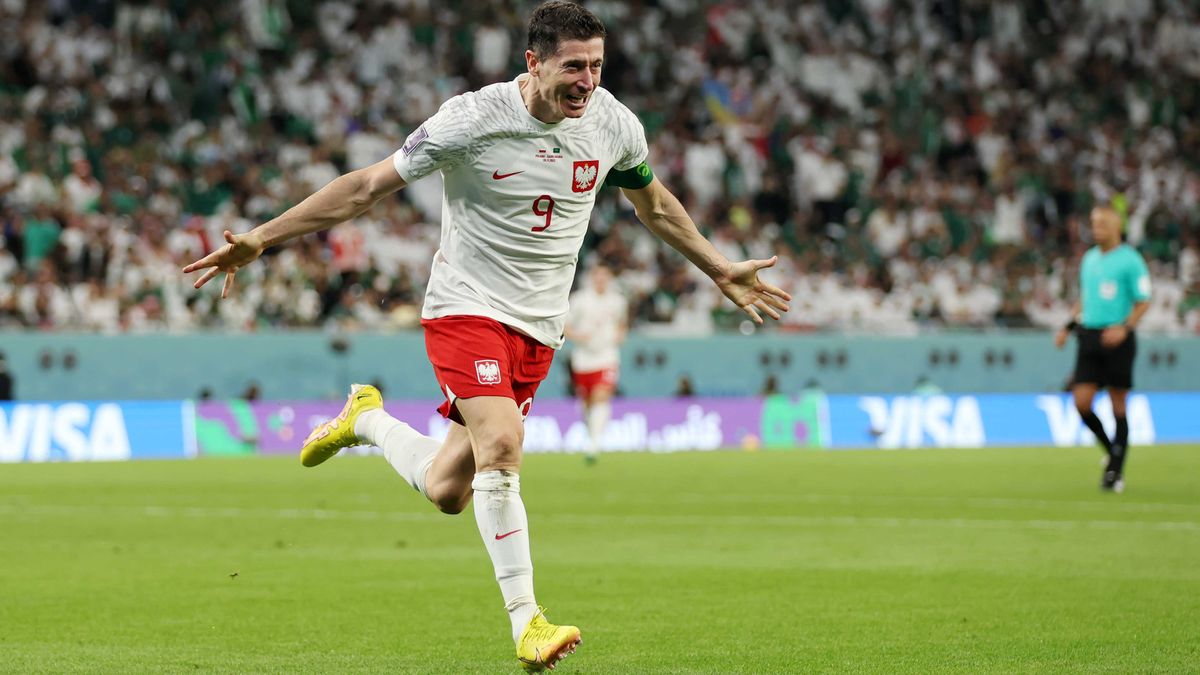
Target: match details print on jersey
x,y
518,197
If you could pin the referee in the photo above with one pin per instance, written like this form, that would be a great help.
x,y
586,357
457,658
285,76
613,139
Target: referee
x,y
1114,290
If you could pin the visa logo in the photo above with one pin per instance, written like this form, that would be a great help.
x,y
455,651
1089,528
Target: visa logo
x,y
1067,429
47,432
924,421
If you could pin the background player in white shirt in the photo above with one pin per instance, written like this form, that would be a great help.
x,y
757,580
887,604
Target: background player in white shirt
x,y
521,162
596,327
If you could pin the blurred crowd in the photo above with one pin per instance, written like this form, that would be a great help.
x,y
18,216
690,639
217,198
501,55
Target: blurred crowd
x,y
913,163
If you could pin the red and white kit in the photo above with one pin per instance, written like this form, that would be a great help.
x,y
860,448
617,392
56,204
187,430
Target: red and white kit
x,y
599,320
518,197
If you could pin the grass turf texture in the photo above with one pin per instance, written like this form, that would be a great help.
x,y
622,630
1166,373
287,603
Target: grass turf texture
x,y
921,561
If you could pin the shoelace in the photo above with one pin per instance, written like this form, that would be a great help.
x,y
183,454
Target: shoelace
x,y
542,632
543,629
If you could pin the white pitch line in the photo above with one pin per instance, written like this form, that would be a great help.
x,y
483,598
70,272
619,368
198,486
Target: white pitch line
x,y
1111,505
159,511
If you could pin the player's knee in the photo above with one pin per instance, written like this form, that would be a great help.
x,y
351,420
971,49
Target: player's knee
x,y
500,448
451,504
1083,404
450,499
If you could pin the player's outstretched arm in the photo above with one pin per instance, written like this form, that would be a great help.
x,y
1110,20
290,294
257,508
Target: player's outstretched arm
x,y
665,216
345,197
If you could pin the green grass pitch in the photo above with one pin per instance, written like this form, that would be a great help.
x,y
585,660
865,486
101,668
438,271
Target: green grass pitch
x,y
989,561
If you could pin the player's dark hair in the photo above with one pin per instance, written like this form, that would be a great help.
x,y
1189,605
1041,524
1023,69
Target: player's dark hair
x,y
559,20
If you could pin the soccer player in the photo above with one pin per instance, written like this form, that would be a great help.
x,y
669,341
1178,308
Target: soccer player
x,y
596,325
521,163
1114,293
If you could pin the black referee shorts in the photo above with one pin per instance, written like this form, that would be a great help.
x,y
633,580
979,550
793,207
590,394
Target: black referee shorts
x,y
1104,366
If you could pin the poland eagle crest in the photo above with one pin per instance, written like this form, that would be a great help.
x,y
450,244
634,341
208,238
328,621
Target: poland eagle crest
x,y
584,175
487,371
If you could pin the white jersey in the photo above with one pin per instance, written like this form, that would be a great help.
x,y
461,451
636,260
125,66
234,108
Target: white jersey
x,y
518,198
600,319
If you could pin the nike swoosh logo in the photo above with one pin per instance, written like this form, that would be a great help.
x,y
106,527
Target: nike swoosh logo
x,y
496,175
507,534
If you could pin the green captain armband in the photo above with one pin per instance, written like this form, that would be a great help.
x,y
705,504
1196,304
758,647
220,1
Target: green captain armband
x,y
631,179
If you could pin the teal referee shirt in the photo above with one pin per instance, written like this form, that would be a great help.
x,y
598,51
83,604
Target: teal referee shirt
x,y
1111,284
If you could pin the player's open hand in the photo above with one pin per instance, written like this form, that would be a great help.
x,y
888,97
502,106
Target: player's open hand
x,y
1060,339
754,296
241,250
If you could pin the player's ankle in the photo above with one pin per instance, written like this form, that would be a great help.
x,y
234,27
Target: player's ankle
x,y
367,425
520,614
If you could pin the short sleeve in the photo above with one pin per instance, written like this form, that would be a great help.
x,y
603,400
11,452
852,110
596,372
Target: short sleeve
x,y
632,137
1139,278
440,144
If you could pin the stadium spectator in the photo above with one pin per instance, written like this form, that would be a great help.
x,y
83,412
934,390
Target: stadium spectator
x,y
898,136
684,387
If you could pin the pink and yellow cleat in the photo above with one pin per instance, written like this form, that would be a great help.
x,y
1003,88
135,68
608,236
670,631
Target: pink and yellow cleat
x,y
542,644
330,437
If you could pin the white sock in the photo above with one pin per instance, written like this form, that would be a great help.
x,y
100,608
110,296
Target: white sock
x,y
597,417
500,515
409,452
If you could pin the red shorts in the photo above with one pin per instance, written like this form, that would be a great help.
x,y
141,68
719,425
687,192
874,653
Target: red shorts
x,y
586,383
477,356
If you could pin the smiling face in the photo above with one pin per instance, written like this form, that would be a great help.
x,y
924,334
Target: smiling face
x,y
563,82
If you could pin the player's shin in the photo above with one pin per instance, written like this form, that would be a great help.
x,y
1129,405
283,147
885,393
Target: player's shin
x,y
1097,428
1121,437
1121,444
409,452
500,515
597,417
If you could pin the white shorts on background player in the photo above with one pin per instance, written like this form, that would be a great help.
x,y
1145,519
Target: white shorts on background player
x,y
518,197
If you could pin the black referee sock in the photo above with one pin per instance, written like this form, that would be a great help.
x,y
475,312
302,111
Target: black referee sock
x,y
1093,423
1120,449
1121,438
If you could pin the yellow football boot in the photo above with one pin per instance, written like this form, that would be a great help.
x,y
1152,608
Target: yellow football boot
x,y
327,439
542,644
